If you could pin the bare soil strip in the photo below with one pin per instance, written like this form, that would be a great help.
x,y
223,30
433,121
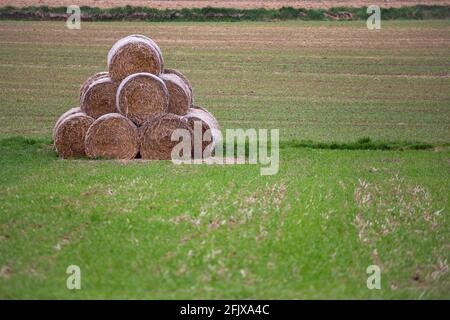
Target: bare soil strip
x,y
247,4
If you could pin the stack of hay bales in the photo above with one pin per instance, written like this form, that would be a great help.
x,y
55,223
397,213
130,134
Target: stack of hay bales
x,y
133,109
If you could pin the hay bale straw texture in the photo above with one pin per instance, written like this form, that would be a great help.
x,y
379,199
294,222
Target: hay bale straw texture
x,y
153,44
62,117
179,94
185,80
91,79
141,96
155,135
134,54
99,98
70,135
208,122
112,136
194,106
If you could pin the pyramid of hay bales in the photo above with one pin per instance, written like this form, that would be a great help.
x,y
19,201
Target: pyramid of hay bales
x,y
131,110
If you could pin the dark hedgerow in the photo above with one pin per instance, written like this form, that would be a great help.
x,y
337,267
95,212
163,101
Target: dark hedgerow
x,y
314,14
222,14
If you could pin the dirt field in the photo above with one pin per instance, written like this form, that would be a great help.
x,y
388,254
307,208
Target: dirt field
x,y
225,4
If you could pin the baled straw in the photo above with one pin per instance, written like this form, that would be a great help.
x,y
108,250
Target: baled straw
x,y
206,122
112,136
136,37
62,117
155,135
99,98
151,42
134,54
141,96
179,94
185,80
216,123
89,80
70,135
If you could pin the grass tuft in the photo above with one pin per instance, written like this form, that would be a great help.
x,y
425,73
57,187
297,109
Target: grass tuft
x,y
20,141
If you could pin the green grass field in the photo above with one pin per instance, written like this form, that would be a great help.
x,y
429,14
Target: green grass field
x,y
156,230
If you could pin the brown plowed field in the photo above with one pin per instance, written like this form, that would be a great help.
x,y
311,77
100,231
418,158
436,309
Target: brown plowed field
x,y
226,4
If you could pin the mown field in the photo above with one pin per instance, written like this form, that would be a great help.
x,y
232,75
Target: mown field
x,y
318,81
156,230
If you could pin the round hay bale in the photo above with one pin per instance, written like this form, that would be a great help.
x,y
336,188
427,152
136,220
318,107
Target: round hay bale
x,y
91,79
179,94
141,96
155,135
153,44
185,80
194,106
208,122
99,98
112,136
62,117
134,54
70,135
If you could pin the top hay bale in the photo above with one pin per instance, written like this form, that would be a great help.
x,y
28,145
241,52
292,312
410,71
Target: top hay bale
x,y
152,43
134,54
